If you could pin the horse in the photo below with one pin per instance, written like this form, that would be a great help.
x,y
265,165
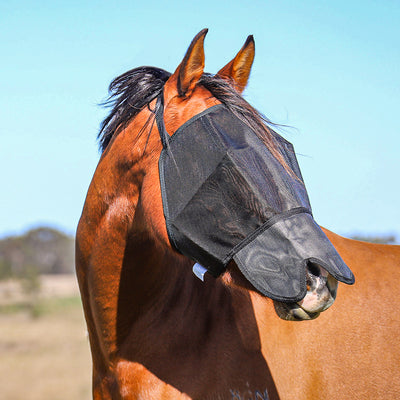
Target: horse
x,y
158,332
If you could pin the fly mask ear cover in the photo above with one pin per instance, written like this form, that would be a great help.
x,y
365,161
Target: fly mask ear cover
x,y
225,196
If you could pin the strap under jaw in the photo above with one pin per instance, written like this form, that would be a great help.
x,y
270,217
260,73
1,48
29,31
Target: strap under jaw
x,y
160,120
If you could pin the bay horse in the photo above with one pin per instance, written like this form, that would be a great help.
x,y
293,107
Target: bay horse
x,y
158,332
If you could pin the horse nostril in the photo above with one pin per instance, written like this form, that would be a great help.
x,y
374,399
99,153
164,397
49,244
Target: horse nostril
x,y
314,279
313,269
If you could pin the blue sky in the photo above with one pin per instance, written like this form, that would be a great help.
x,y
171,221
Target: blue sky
x,y
329,69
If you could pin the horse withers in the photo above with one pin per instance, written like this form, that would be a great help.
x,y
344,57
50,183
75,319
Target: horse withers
x,y
156,331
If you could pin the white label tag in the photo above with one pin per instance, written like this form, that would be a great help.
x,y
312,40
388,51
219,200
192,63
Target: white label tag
x,y
199,271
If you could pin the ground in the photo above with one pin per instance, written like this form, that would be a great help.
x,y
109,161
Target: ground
x,y
44,349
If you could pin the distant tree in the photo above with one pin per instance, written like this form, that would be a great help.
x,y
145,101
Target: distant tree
x,y
46,250
388,239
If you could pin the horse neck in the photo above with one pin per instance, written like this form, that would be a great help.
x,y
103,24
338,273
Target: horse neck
x,y
159,297
157,288
156,281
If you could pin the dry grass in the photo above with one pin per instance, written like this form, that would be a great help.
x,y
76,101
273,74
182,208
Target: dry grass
x,y
51,286
47,357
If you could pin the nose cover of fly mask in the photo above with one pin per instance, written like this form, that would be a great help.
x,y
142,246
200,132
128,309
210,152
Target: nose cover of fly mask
x,y
226,196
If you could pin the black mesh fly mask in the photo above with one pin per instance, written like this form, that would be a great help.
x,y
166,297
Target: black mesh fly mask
x,y
226,196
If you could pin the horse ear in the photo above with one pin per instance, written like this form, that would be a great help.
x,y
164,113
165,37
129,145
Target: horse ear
x,y
238,70
191,68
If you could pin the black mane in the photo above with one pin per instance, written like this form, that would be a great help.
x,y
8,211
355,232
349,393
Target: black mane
x,y
135,89
128,94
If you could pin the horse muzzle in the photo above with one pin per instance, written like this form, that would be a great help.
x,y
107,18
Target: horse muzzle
x,y
291,261
321,294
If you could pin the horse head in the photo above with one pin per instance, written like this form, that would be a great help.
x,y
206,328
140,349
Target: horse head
x,y
241,211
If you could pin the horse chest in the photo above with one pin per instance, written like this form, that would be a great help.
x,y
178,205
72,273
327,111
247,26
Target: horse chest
x,y
172,361
136,382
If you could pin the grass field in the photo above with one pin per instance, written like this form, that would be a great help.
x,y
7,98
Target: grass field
x,y
44,355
